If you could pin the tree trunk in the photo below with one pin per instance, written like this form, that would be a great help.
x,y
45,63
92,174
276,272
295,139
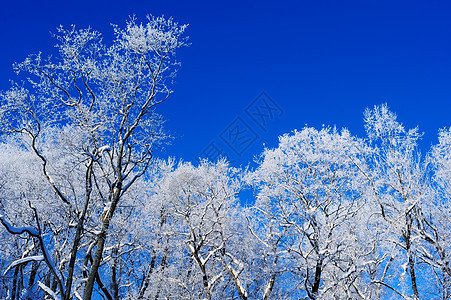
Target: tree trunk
x,y
316,283
79,230
101,242
14,288
33,273
407,239
114,283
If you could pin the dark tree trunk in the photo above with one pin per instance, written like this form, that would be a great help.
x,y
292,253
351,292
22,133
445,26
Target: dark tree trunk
x,y
407,239
79,230
14,288
101,241
317,280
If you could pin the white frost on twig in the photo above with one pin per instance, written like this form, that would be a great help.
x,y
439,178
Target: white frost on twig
x,y
77,295
48,290
22,261
102,149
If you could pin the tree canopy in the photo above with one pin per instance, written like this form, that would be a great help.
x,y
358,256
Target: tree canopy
x,y
89,212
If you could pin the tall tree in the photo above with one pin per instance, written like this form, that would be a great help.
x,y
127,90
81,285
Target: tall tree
x,y
309,188
434,222
88,116
203,209
398,183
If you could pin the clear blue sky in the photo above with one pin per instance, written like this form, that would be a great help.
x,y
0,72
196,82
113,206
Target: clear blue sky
x,y
321,62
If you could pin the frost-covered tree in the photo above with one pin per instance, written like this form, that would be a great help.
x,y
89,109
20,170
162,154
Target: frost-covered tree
x,y
202,208
87,115
397,179
19,185
435,222
310,189
88,212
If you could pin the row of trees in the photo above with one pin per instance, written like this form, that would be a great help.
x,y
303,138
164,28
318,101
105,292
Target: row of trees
x,y
87,212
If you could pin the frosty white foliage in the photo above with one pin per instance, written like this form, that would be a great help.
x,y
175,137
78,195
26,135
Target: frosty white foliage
x,y
441,159
309,187
381,122
201,202
48,290
152,36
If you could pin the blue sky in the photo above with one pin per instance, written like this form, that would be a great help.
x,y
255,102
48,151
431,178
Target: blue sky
x,y
319,62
